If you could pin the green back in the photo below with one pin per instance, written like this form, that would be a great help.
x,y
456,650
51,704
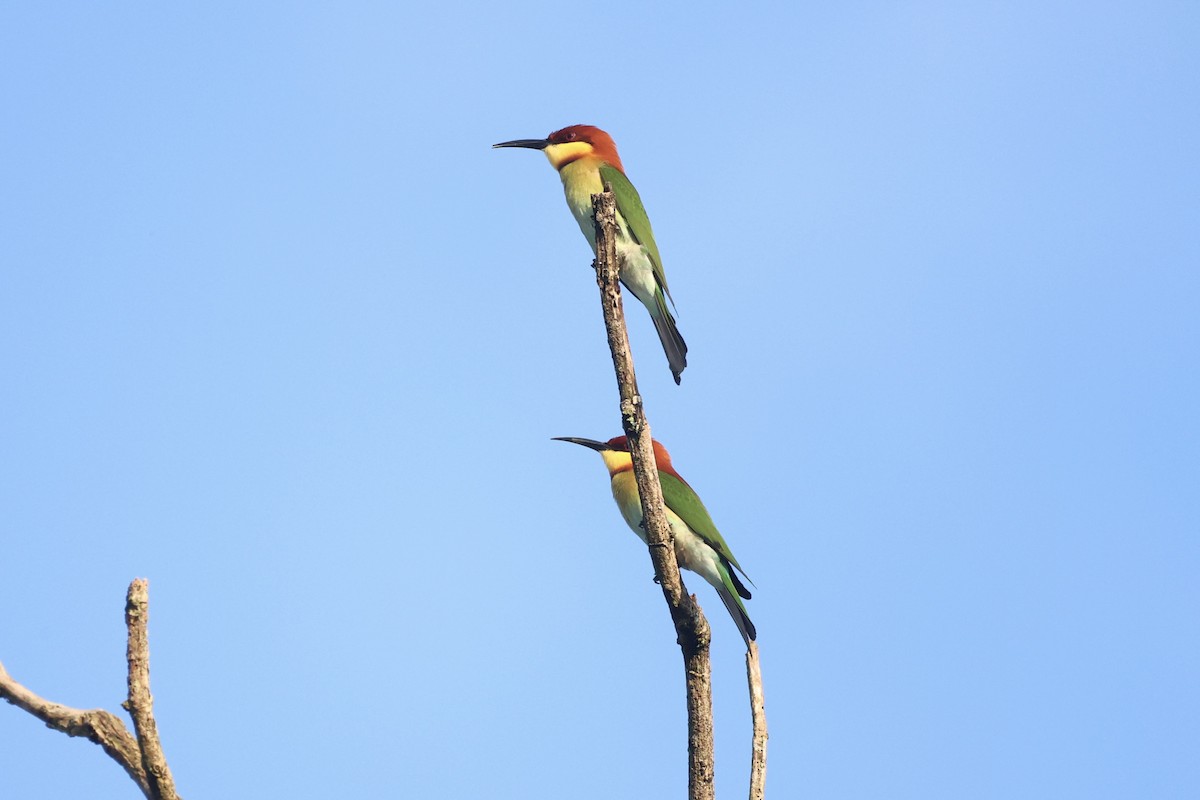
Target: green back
x,y
629,204
681,499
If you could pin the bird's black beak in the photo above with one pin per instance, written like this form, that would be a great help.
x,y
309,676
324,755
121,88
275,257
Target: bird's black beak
x,y
531,144
592,443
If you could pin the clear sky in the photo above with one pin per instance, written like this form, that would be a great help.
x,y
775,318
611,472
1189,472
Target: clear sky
x,y
282,334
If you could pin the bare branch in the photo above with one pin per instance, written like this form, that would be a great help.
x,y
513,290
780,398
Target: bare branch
x,y
691,627
758,714
140,704
141,757
96,725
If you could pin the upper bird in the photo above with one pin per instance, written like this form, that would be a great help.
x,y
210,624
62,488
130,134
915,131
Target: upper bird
x,y
699,546
586,158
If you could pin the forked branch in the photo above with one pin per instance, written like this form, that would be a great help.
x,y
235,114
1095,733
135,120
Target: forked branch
x,y
142,756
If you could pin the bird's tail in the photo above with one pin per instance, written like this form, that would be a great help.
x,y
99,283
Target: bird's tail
x,y
668,334
729,590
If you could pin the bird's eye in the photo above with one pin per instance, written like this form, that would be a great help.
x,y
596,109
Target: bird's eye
x,y
571,136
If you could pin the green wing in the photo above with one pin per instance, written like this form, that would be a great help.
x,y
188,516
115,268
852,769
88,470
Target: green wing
x,y
629,204
681,499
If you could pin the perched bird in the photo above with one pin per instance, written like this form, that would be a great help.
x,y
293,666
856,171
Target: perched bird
x,y
699,546
586,158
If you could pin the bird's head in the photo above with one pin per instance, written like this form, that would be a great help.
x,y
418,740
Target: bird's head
x,y
571,144
615,453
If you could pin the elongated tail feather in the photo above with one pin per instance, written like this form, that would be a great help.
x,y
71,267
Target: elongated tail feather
x,y
668,334
729,590
738,612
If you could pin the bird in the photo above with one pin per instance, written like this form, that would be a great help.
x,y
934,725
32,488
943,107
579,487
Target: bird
x,y
699,546
586,158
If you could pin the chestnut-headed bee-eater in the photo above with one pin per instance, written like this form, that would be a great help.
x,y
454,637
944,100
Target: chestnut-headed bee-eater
x,y
586,158
699,546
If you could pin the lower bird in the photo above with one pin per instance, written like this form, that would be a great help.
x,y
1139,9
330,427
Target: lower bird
x,y
699,546
586,158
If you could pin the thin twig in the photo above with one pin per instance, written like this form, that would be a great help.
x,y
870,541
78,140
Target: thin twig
x,y
758,714
140,704
691,627
95,725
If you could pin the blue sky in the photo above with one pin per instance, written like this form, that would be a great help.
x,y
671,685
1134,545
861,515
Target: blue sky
x,y
282,334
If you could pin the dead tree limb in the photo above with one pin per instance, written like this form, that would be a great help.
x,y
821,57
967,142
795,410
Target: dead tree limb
x,y
142,756
758,716
691,627
95,725
140,704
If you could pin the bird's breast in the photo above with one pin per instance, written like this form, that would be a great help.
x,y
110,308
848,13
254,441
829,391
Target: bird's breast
x,y
625,492
692,552
581,180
